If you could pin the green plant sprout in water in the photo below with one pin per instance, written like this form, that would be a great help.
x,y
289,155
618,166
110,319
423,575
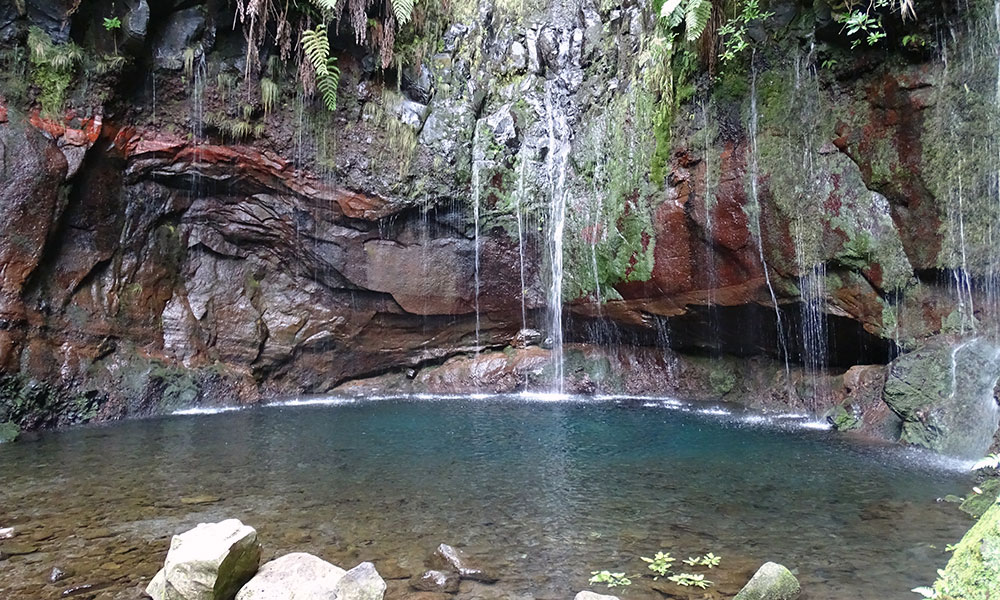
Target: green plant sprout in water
x,y
609,579
660,563
709,560
690,580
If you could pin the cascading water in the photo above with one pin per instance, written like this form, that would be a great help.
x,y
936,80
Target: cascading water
x,y
557,162
519,212
477,165
754,168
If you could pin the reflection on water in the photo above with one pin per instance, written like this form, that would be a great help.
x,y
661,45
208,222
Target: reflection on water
x,y
544,492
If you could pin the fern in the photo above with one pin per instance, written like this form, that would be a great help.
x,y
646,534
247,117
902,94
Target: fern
x,y
403,10
672,13
316,46
269,94
326,5
696,16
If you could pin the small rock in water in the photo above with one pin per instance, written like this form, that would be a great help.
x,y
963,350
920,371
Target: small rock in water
x,y
771,582
361,583
436,581
296,576
16,549
57,574
449,558
200,499
585,595
6,533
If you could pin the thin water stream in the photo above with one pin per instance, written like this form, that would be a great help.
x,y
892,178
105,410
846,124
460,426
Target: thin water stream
x,y
542,492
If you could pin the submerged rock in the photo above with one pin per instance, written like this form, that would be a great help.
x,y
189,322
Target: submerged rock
x,y
449,558
973,573
8,432
296,576
771,582
210,562
977,504
436,581
360,583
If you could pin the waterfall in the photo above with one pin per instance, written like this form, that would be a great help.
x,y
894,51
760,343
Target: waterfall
x,y
755,209
477,161
557,161
518,201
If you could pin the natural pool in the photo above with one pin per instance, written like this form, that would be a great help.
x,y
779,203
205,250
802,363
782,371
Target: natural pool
x,y
542,492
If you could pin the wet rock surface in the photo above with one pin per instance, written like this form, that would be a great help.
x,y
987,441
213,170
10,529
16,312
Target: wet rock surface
x,y
210,562
296,576
771,582
176,269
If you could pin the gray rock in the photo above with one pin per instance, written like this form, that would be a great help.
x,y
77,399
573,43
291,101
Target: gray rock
x,y
449,558
518,56
943,392
771,582
418,83
361,583
57,574
185,30
586,595
436,581
296,576
9,432
210,562
137,20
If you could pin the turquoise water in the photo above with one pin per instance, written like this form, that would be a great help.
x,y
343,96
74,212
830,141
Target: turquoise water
x,y
542,492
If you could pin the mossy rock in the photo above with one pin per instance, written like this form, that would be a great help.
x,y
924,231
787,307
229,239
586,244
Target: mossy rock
x,y
977,504
943,392
973,573
9,432
843,419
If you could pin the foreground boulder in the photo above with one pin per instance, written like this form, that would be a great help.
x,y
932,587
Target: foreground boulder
x,y
973,573
210,562
771,582
296,576
448,558
360,583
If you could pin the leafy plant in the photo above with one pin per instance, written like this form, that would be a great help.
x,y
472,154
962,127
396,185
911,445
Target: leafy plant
x,y
690,580
269,94
609,579
316,47
112,23
660,563
52,67
734,31
709,560
863,19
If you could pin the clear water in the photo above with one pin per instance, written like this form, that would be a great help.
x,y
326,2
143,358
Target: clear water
x,y
543,492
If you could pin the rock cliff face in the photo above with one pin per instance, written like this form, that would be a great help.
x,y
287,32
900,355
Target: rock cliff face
x,y
168,238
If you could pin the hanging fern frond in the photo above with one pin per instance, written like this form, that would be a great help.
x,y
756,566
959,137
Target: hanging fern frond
x,y
671,11
403,10
316,47
325,5
696,16
327,84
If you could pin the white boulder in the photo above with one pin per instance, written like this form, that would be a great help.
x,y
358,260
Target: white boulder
x,y
210,562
